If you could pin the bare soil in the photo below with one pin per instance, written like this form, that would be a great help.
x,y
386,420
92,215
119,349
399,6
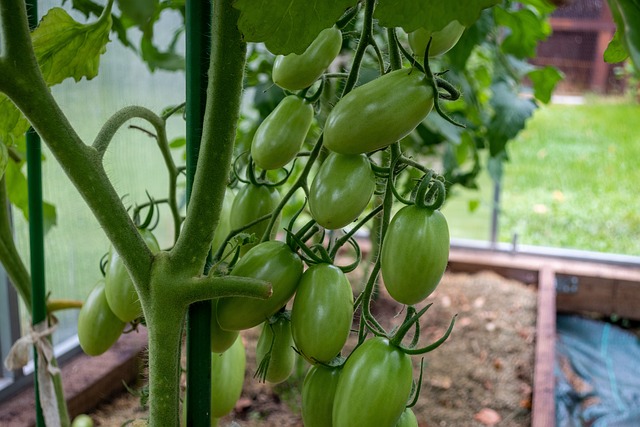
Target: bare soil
x,y
482,375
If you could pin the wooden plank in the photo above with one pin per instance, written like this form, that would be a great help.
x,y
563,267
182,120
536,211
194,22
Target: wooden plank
x,y
87,381
594,294
627,300
543,413
587,25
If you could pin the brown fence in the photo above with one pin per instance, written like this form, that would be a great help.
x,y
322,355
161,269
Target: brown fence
x,y
582,30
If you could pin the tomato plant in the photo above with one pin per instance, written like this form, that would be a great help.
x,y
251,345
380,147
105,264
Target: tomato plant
x,y
415,253
374,95
119,290
251,203
227,373
374,386
98,327
274,353
271,261
295,72
280,136
318,392
441,41
322,312
407,419
341,190
400,100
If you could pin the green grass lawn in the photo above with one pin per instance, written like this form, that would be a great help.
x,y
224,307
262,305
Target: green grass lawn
x,y
571,182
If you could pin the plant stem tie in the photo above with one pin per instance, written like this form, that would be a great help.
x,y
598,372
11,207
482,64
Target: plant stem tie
x,y
18,357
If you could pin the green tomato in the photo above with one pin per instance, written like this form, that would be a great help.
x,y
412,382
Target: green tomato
x,y
378,113
374,386
442,41
280,136
341,189
407,419
98,327
318,392
221,339
224,222
415,252
227,378
277,338
322,312
296,72
121,293
274,262
251,203
82,420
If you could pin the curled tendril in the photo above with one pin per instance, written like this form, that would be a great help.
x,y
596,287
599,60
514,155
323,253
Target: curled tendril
x,y
392,182
431,192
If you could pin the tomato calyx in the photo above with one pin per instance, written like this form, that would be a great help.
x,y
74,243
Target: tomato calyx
x,y
263,365
251,177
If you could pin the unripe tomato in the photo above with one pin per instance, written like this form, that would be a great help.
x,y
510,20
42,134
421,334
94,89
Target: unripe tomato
x,y
82,420
318,392
227,378
341,189
378,113
374,386
415,252
280,136
442,41
224,223
296,72
251,203
98,327
322,312
274,262
282,357
121,293
407,419
221,339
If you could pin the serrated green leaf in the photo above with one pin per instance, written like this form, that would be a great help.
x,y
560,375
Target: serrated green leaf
x,y
526,29
626,14
65,48
510,115
287,26
430,14
12,123
544,82
18,195
178,142
615,51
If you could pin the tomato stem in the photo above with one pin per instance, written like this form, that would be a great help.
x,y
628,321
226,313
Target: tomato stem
x,y
436,344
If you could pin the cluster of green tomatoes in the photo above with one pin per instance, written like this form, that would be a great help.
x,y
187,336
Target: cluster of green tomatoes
x,y
311,310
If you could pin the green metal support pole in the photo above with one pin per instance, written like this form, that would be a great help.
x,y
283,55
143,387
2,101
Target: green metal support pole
x,y
36,228
36,241
198,35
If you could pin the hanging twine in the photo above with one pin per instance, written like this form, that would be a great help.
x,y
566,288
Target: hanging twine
x,y
18,357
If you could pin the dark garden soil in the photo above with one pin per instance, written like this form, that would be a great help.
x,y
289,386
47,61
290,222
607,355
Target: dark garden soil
x,y
482,376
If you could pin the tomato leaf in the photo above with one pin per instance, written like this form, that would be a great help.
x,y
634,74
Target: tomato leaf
x,y
429,14
510,115
66,48
18,195
544,82
287,26
626,14
615,51
12,123
526,29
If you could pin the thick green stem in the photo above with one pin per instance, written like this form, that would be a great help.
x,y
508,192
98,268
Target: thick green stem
x,y
228,52
24,84
9,256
